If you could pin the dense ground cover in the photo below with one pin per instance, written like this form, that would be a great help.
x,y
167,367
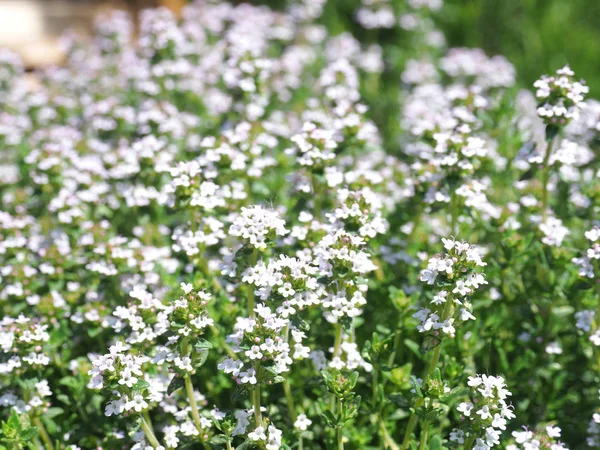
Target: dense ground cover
x,y
245,229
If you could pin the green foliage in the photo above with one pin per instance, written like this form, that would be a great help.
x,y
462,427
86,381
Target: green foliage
x,y
311,336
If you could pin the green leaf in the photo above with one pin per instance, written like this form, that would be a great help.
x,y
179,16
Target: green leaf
x,y
435,443
302,325
133,425
176,383
71,382
330,419
243,445
200,358
429,343
430,415
140,385
203,344
329,381
240,392
94,331
413,346
352,407
53,412
28,433
416,386
346,323
14,422
278,379
218,439
351,383
64,399
400,376
399,400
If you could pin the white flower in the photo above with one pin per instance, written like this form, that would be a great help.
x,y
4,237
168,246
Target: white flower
x,y
457,436
465,408
254,352
248,377
554,348
187,287
302,422
137,403
484,413
553,431
522,436
258,434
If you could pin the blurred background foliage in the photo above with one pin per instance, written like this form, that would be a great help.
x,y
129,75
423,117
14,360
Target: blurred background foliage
x,y
537,36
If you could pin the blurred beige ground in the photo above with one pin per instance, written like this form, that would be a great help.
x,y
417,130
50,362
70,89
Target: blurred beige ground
x,y
33,27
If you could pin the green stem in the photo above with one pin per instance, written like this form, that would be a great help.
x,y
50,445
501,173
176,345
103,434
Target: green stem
x,y
337,347
375,381
15,445
287,389
433,362
388,442
228,443
469,443
146,417
423,442
43,433
340,435
189,389
397,342
300,443
412,423
340,439
446,313
256,398
251,312
149,434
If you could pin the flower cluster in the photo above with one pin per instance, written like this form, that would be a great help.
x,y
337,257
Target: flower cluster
x,y
121,372
593,431
212,228
589,263
531,440
23,341
258,341
256,225
456,277
486,414
560,97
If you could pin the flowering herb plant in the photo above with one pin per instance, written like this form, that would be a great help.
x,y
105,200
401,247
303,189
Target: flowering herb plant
x,y
207,241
